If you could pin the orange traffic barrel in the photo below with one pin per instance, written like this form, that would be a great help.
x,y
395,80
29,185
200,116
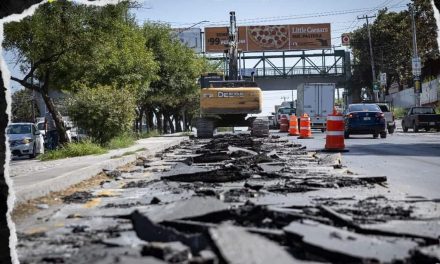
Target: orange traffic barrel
x,y
305,129
293,126
335,132
284,124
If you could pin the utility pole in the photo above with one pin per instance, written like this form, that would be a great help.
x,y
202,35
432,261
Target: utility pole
x,y
371,57
284,98
416,62
233,47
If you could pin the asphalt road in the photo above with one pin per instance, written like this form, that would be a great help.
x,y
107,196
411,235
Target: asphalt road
x,y
411,161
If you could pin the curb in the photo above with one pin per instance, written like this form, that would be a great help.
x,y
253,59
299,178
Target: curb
x,y
67,179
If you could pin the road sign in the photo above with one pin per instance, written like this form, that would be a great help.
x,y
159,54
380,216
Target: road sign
x,y
416,66
376,87
383,78
345,39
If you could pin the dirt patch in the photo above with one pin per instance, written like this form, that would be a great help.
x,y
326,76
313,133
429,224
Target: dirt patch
x,y
23,210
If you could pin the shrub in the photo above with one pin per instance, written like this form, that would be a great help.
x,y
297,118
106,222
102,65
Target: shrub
x,y
73,150
399,112
104,112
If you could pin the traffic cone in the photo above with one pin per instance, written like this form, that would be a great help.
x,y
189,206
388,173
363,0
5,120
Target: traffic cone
x,y
284,124
335,132
305,129
293,126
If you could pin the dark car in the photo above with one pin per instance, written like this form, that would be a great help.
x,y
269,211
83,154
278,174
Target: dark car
x,y
364,119
421,118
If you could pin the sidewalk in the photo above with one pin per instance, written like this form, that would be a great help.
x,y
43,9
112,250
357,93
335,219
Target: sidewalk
x,y
34,178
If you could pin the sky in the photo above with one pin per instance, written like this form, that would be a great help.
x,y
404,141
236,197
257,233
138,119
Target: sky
x,y
341,14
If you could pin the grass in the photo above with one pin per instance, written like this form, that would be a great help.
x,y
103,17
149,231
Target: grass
x,y
73,149
87,147
152,133
122,141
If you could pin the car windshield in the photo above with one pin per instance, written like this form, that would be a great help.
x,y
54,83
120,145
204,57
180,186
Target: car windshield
x,y
423,110
384,108
286,111
19,129
40,126
364,108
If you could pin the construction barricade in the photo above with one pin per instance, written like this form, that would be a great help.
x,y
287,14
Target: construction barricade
x,y
284,124
293,126
305,129
335,132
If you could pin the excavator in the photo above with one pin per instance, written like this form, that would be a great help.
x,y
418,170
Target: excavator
x,y
226,103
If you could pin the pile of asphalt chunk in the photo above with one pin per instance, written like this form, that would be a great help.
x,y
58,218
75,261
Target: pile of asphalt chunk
x,y
240,199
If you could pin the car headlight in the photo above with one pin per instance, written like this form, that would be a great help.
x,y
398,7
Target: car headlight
x,y
27,140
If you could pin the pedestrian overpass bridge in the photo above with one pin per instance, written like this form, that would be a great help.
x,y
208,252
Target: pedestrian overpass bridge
x,y
286,70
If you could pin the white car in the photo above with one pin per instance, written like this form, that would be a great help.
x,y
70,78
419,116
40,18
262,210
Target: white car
x,y
25,139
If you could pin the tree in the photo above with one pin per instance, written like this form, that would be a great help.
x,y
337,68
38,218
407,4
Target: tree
x,y
391,35
103,111
67,46
23,107
176,86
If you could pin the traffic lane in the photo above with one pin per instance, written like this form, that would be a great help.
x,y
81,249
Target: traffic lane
x,y
410,161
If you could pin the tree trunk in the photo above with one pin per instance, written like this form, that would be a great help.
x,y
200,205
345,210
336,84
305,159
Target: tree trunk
x,y
169,123
177,123
150,120
159,121
63,139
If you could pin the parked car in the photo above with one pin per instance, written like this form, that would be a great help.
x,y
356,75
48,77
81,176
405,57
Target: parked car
x,y
25,139
364,119
389,117
421,117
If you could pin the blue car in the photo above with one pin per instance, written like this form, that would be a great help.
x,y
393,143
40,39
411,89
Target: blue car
x,y
364,119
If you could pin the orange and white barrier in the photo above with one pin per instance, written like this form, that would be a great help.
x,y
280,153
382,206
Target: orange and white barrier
x,y
305,129
293,126
284,124
335,132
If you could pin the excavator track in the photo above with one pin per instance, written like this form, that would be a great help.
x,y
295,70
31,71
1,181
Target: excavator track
x,y
205,128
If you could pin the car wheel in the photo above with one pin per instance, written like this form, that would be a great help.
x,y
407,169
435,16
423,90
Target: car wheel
x,y
383,134
34,150
415,128
405,129
346,134
323,130
376,135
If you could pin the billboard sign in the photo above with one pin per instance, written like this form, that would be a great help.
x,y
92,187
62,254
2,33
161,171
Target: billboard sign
x,y
217,38
191,37
271,37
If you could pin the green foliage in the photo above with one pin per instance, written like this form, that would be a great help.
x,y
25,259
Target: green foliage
x,y
21,106
121,141
82,148
399,112
391,35
104,112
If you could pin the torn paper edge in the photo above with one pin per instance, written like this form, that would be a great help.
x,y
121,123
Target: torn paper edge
x,y
6,75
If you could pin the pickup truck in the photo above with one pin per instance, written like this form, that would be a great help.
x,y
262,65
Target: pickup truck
x,y
421,117
389,117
